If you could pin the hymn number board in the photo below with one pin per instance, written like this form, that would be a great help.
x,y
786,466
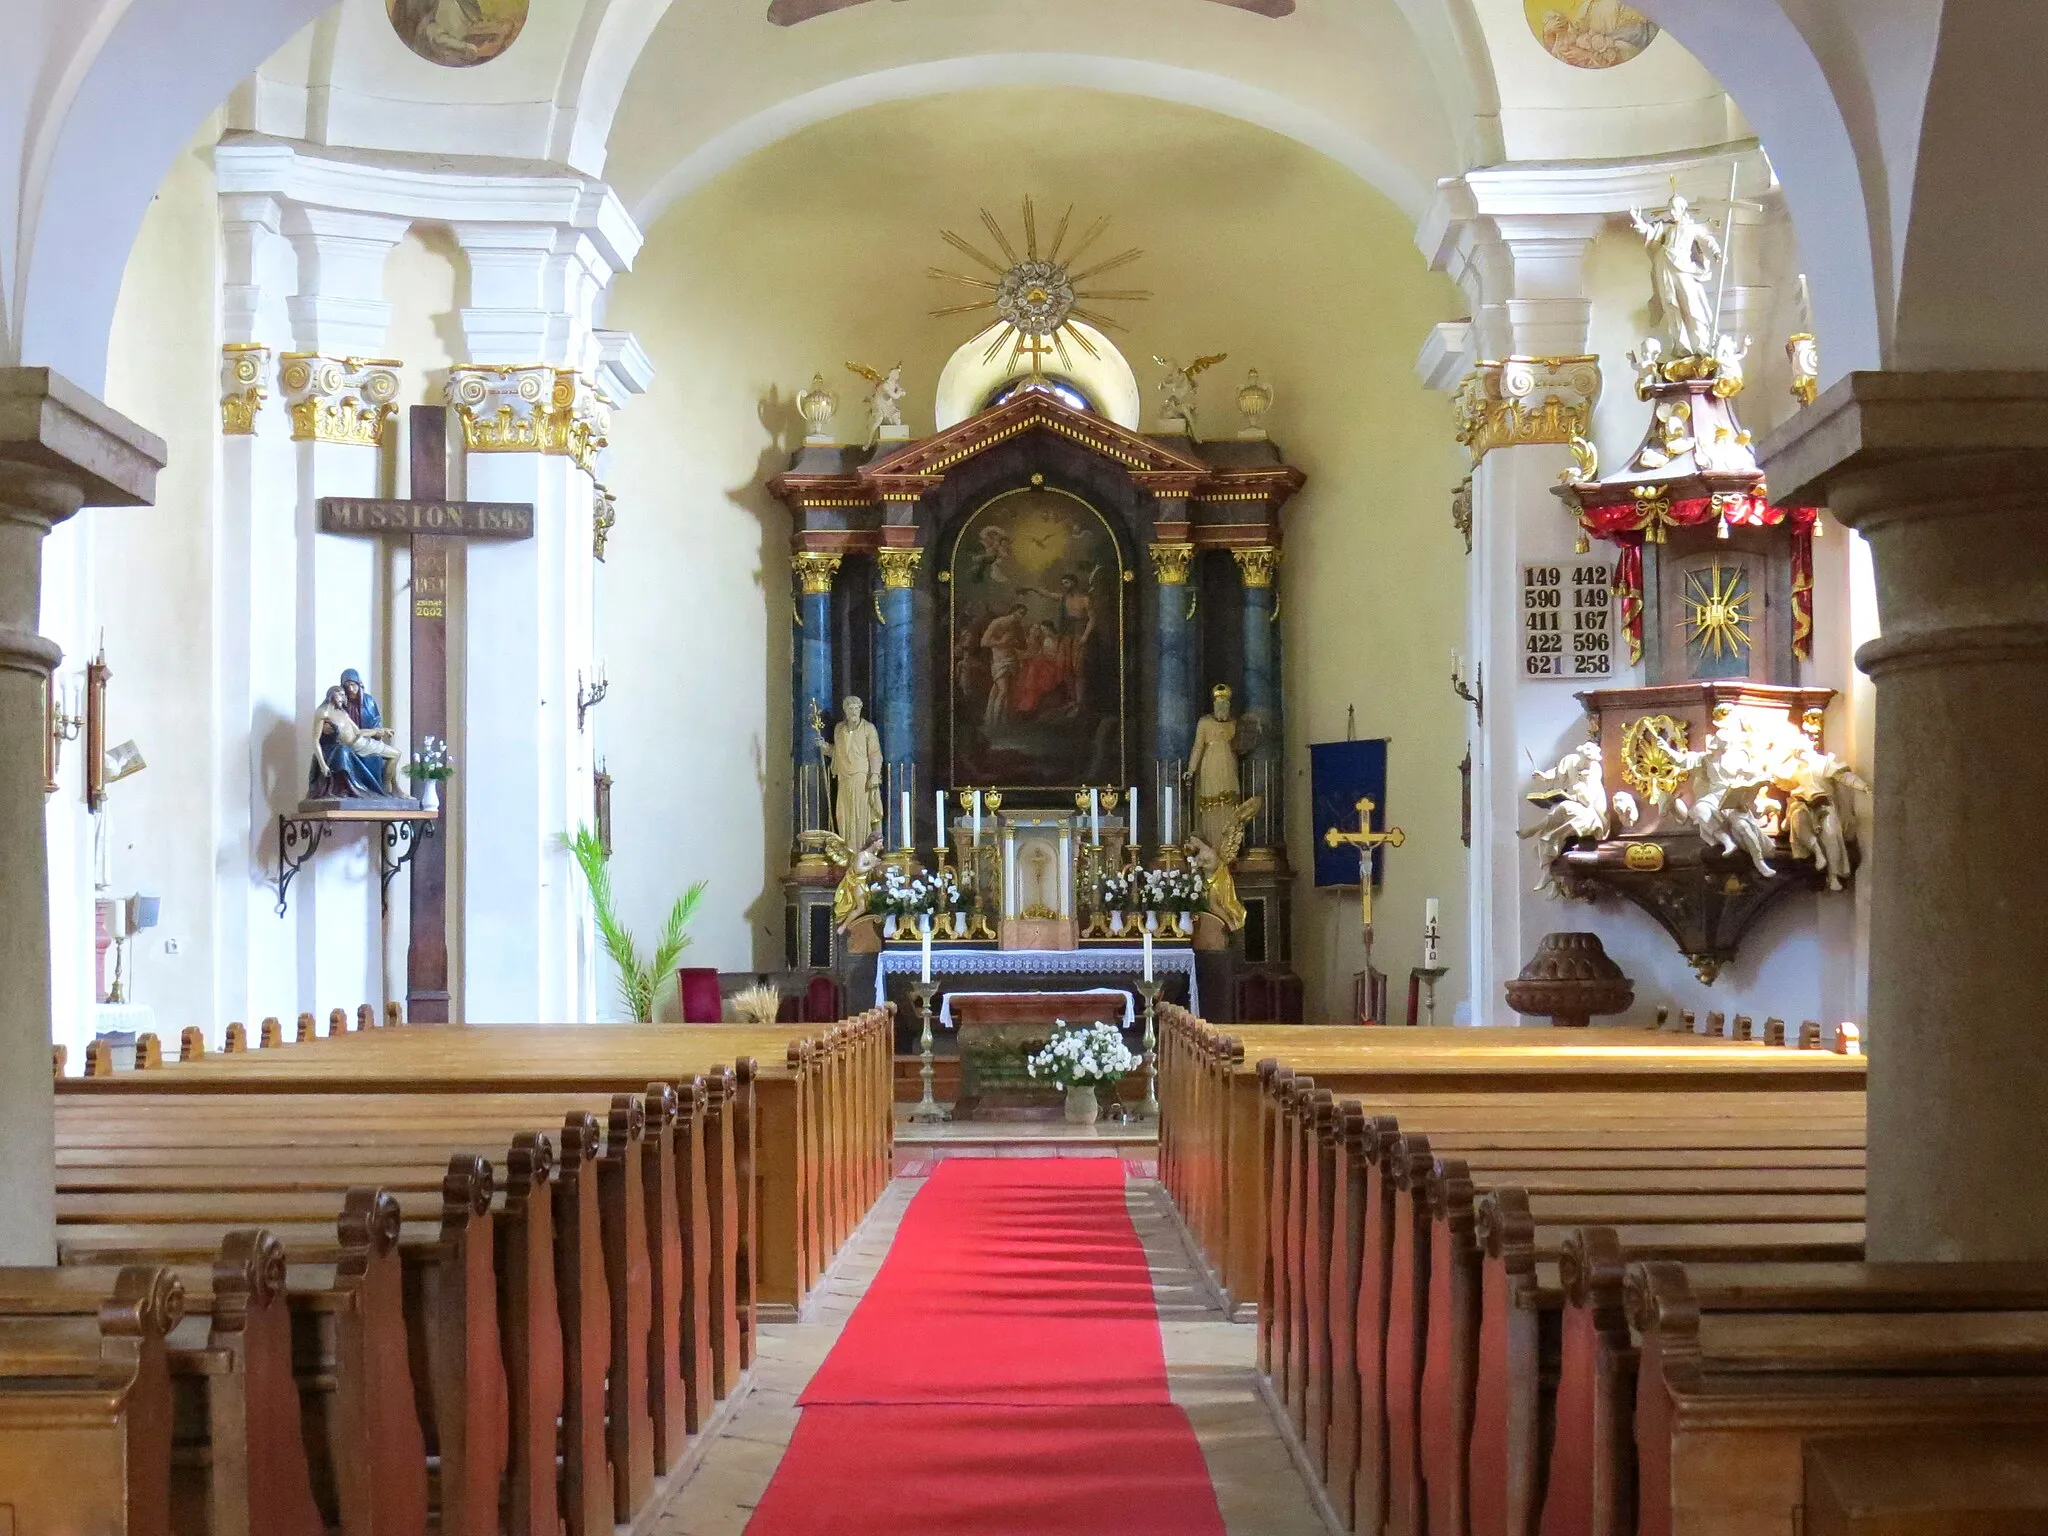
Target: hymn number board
x,y
1568,619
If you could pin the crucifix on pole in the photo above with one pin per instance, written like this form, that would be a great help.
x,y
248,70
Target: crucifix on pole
x,y
438,530
1365,840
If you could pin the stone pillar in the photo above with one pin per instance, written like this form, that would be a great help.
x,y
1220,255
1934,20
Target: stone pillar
x,y
1173,703
1946,474
60,449
814,573
897,711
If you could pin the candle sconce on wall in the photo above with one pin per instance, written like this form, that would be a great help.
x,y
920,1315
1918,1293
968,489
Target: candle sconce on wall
x,y
589,698
63,726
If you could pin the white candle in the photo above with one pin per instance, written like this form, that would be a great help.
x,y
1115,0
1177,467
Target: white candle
x,y
1095,814
1150,919
1429,913
924,936
907,840
942,820
1166,820
1131,820
977,818
1429,934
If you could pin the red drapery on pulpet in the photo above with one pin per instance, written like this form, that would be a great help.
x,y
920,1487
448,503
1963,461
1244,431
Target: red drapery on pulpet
x,y
1631,524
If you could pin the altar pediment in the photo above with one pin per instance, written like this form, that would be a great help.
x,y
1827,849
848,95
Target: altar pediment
x,y
922,463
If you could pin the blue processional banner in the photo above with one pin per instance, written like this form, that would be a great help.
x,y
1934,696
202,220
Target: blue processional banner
x,y
1341,773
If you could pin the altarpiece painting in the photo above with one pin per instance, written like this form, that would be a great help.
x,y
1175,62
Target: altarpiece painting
x,y
1037,626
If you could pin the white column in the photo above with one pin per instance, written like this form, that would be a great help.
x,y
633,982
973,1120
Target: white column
x,y
534,423
256,587
340,397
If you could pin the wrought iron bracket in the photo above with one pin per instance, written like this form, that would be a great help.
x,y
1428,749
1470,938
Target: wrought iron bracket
x,y
395,850
298,839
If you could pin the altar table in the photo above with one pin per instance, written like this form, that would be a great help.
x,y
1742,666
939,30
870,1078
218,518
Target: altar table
x,y
946,1002
906,960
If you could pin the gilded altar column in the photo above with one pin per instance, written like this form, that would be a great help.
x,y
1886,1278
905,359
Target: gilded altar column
x,y
1174,687
898,681
1946,474
60,449
815,572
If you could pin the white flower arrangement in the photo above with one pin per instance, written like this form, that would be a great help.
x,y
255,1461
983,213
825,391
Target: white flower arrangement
x,y
431,762
902,895
1170,890
1083,1057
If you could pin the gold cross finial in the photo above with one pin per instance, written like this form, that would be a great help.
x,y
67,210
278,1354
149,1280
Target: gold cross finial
x,y
1038,350
1365,840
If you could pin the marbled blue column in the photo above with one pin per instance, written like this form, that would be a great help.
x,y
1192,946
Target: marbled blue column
x,y
814,651
1174,702
897,680
1261,643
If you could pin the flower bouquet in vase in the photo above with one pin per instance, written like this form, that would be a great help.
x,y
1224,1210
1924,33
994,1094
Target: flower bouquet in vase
x,y
904,895
428,767
1177,894
1080,1060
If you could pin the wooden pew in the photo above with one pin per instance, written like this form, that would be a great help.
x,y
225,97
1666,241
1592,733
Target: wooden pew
x,y
1801,1353
85,1400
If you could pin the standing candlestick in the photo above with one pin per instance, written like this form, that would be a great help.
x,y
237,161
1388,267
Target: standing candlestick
x,y
942,820
928,1111
1151,990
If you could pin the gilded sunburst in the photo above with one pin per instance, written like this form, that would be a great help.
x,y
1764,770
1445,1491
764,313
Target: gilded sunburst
x,y
1717,610
1037,296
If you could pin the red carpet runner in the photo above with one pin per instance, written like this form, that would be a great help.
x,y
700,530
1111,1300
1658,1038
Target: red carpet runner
x,y
1002,1377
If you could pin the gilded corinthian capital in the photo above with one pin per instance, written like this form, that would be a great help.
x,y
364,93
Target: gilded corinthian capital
x,y
530,408
1170,563
243,367
339,399
1257,563
815,571
899,566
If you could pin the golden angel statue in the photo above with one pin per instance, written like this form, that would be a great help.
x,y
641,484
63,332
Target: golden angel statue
x,y
850,899
1214,862
1177,389
885,397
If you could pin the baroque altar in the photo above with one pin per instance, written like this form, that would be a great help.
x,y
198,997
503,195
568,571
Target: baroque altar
x,y
1034,607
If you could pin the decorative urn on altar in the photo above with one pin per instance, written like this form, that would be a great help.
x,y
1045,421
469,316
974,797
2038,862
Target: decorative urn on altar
x,y
1570,978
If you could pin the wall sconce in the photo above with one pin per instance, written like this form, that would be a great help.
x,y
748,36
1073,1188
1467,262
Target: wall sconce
x,y
64,726
1474,692
589,698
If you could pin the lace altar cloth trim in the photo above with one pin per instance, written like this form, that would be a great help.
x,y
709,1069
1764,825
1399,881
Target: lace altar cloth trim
x,y
1039,962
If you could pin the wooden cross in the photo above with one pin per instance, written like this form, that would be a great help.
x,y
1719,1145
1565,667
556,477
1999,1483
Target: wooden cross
x,y
1365,840
438,529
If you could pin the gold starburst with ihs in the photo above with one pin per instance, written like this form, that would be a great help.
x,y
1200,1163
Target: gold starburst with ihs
x,y
1039,295
1717,610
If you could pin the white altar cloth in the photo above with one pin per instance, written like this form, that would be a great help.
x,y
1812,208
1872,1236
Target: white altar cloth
x,y
904,960
1130,1010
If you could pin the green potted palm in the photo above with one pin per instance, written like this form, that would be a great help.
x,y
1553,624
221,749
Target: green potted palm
x,y
639,980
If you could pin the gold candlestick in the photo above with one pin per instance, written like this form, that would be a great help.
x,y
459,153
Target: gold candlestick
x,y
928,1110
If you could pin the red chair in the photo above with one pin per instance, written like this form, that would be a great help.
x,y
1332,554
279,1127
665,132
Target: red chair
x,y
698,988
822,1002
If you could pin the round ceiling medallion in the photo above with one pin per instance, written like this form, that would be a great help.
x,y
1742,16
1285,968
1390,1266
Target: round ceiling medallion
x,y
1590,34
457,33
